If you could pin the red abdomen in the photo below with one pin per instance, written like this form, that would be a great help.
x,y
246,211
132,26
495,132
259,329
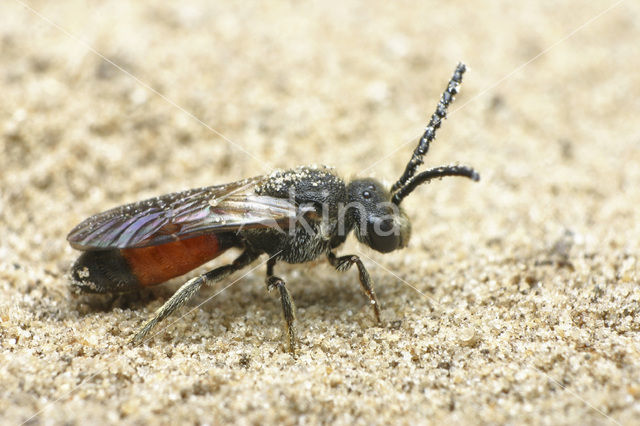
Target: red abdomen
x,y
156,264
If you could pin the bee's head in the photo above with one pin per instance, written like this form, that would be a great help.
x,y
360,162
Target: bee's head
x,y
378,223
381,223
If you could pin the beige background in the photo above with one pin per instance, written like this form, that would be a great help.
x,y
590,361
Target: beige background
x,y
517,300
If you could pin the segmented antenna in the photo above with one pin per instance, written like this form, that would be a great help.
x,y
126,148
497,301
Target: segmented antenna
x,y
430,132
438,172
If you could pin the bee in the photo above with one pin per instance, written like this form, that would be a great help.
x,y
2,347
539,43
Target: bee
x,y
292,216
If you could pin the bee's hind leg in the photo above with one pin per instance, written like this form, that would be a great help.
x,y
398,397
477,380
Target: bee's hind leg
x,y
190,288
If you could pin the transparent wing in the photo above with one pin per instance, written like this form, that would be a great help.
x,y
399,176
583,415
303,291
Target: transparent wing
x,y
182,215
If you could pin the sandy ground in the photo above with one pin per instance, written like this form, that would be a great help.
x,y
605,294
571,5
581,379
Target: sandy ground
x,y
517,301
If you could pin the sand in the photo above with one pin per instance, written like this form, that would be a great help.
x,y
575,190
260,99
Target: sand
x,y
517,300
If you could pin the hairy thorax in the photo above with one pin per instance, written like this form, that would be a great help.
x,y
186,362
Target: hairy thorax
x,y
317,192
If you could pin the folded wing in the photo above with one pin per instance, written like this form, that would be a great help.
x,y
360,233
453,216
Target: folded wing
x,y
182,215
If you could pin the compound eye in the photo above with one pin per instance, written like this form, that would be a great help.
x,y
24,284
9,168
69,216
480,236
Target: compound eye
x,y
383,235
368,193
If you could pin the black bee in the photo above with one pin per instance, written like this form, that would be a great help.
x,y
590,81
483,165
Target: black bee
x,y
293,216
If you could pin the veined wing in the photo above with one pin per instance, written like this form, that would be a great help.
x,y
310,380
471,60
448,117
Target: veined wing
x,y
182,215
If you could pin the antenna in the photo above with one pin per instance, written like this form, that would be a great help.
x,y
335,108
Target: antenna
x,y
430,132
